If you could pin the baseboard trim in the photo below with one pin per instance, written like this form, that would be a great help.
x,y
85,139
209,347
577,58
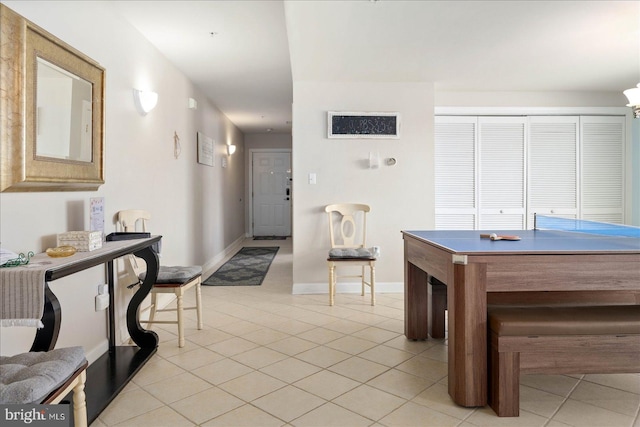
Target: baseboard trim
x,y
212,265
97,351
346,288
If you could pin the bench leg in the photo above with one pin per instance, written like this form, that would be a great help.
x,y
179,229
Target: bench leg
x,y
438,304
504,383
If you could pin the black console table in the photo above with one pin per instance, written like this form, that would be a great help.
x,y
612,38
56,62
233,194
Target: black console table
x,y
108,375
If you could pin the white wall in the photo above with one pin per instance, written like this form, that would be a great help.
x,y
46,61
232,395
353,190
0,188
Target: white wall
x,y
400,196
198,209
635,172
529,99
267,140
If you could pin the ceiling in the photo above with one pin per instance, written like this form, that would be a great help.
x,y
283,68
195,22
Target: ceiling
x,y
245,55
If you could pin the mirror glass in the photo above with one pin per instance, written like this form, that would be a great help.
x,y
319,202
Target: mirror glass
x,y
63,114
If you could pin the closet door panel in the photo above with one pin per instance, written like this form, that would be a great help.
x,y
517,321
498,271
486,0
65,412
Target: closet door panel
x,y
501,148
603,169
553,166
455,172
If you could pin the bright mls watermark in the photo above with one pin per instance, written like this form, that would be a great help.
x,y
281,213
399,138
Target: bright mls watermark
x,y
35,415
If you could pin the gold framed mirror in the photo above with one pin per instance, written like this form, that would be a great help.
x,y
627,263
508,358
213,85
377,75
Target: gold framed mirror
x,y
52,111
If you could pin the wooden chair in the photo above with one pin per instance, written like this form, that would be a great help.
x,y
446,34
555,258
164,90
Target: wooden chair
x,y
176,280
347,231
46,378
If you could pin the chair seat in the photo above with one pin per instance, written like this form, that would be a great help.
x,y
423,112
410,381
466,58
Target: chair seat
x,y
337,254
175,275
30,377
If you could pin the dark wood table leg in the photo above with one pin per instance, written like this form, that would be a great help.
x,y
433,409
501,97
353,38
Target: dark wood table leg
x,y
438,306
467,305
47,336
416,306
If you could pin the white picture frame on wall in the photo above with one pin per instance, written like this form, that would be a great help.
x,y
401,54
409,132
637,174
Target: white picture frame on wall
x,y
205,150
363,125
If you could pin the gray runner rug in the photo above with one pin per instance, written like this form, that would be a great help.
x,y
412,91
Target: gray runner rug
x,y
248,267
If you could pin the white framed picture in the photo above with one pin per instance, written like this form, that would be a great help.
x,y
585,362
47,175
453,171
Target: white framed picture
x,y
205,149
357,125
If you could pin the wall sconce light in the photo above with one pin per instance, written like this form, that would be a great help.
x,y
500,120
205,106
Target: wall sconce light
x,y
231,149
144,100
193,104
633,95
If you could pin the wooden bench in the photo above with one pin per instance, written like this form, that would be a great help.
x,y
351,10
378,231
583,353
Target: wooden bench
x,y
557,340
437,300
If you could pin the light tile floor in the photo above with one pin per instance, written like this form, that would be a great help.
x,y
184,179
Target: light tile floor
x,y
270,358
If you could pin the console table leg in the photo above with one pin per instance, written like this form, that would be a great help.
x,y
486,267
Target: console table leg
x,y
142,337
47,336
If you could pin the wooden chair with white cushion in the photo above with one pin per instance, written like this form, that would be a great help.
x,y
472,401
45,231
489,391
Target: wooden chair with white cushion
x,y
45,377
176,279
348,233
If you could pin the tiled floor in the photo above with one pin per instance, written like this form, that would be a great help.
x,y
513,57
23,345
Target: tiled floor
x,y
269,358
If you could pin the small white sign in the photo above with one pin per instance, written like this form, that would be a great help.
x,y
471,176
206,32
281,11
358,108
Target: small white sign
x,y
96,214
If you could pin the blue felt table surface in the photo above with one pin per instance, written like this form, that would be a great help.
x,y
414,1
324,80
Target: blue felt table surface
x,y
532,241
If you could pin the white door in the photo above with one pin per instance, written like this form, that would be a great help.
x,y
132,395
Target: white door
x,y
502,179
271,184
456,173
603,168
553,167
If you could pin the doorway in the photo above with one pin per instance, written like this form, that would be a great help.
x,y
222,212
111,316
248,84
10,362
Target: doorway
x,y
271,193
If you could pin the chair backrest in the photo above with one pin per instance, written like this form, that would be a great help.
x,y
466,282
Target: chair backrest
x,y
348,224
128,220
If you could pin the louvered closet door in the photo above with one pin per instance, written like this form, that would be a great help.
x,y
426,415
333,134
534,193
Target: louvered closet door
x,y
455,172
553,167
502,172
603,171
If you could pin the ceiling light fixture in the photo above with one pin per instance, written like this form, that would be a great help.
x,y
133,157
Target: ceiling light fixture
x,y
633,95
